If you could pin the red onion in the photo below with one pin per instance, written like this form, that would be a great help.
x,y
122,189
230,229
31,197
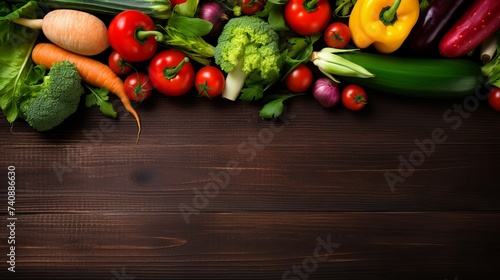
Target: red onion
x,y
214,13
326,92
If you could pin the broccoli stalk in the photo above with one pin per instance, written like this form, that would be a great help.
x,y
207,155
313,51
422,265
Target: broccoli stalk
x,y
247,47
235,80
46,101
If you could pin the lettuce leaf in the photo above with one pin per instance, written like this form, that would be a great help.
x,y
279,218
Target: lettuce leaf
x,y
15,55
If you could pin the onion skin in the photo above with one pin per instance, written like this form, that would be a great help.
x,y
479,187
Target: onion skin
x,y
214,13
326,92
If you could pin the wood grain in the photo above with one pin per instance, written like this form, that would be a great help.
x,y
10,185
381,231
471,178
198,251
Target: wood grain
x,y
113,210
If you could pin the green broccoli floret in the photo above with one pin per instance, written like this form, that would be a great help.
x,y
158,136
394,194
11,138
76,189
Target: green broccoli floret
x,y
247,46
47,104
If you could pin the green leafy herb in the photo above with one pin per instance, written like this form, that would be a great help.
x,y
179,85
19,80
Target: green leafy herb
x,y
298,50
16,44
274,108
100,97
187,8
185,32
12,10
189,26
276,18
252,92
343,8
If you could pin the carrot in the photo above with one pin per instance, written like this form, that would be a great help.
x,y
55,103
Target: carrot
x,y
92,72
76,31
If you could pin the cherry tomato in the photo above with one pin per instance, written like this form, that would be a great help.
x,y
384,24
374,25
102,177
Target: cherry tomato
x,y
126,35
251,7
354,97
209,81
494,98
337,35
304,20
299,79
138,86
118,64
171,72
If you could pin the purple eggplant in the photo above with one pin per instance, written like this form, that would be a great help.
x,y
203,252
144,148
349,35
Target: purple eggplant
x,y
433,23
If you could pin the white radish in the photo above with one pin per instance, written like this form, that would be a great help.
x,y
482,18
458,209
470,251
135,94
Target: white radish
x,y
75,31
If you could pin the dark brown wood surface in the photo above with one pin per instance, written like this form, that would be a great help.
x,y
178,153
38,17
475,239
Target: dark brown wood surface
x,y
91,204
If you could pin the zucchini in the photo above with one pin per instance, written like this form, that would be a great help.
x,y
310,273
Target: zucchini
x,y
157,9
417,77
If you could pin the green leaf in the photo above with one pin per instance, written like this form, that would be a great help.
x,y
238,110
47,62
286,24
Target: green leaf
x,y
189,26
15,63
9,11
274,108
276,18
343,8
35,75
187,8
252,93
90,100
100,97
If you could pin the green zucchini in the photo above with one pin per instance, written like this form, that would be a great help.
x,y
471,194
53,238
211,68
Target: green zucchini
x,y
416,77
158,9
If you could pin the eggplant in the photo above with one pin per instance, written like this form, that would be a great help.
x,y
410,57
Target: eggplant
x,y
433,23
479,22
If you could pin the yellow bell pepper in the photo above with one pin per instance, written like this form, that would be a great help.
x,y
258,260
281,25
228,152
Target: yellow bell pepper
x,y
383,23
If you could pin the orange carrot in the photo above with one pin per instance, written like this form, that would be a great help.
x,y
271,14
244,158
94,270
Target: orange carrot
x,y
92,72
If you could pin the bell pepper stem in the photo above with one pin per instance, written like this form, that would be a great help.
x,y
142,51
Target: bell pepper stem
x,y
390,14
171,72
142,35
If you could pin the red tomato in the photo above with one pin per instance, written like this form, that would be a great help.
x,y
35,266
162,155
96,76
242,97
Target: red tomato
x,y
337,35
138,87
494,98
307,21
251,7
209,81
118,64
299,79
122,35
171,72
354,97
176,2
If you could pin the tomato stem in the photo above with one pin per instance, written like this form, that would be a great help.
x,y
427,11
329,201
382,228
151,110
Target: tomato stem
x,y
170,73
388,14
310,5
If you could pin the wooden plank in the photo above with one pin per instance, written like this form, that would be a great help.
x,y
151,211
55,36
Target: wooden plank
x,y
280,178
422,245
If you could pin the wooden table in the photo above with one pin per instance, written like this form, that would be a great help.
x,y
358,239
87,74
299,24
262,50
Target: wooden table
x,y
213,192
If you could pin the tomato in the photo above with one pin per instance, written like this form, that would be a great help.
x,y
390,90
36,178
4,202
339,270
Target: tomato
x,y
251,7
124,34
118,64
176,2
337,35
209,81
138,86
354,97
307,21
171,72
299,79
494,98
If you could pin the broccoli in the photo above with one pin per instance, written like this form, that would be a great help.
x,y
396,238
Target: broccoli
x,y
247,47
47,104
